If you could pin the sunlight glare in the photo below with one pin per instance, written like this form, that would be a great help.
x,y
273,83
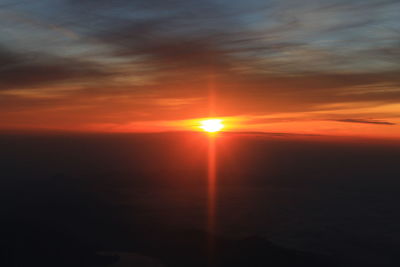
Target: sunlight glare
x,y
212,125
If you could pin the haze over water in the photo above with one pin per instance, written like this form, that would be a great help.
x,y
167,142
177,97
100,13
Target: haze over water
x,y
337,198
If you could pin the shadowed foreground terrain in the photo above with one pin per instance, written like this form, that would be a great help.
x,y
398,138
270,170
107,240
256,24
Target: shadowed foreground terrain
x,y
90,200
40,245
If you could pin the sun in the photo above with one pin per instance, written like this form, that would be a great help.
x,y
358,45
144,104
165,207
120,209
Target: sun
x,y
211,125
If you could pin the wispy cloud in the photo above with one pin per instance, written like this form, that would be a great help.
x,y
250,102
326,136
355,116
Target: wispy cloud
x,y
30,70
130,61
367,121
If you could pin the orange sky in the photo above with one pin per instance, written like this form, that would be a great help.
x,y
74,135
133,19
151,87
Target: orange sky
x,y
271,67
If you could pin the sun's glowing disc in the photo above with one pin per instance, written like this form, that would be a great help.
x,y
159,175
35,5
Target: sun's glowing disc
x,y
211,125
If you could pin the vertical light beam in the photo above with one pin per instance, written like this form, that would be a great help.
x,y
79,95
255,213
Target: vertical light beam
x,y
212,194
212,177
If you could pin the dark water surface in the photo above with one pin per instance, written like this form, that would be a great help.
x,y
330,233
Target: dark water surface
x,y
335,198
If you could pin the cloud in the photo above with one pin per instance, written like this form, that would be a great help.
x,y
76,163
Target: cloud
x,y
142,60
29,70
366,121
